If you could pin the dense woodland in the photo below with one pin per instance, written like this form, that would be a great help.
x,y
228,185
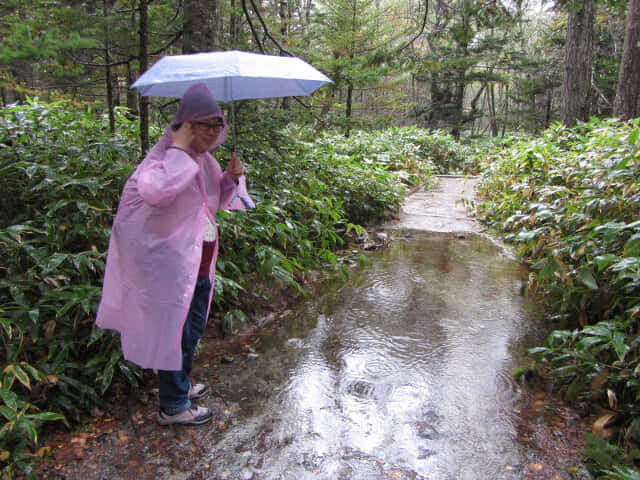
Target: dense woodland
x,y
468,66
540,99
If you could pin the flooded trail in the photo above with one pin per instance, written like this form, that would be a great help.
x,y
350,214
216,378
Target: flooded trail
x,y
404,371
440,208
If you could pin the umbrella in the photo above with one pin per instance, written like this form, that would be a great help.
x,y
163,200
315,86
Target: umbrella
x,y
231,75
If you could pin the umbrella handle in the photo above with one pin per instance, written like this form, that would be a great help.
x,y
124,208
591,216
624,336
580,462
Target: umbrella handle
x,y
234,133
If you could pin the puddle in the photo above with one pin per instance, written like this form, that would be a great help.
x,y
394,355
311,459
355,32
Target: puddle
x,y
404,371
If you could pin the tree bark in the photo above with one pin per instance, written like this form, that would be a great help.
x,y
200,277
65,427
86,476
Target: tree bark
x,y
107,58
493,121
144,63
132,98
578,59
234,21
200,26
628,90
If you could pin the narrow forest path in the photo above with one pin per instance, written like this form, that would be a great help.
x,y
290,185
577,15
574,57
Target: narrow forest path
x,y
124,442
442,207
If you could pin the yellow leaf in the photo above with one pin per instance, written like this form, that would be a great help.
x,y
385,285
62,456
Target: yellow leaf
x,y
43,451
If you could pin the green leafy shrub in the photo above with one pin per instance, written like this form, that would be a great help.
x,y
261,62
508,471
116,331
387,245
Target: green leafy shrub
x,y
569,202
61,176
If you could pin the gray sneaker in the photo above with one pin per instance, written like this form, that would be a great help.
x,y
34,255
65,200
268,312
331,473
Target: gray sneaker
x,y
196,391
190,416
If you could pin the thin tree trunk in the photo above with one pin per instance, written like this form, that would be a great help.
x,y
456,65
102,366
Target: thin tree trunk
x,y
132,99
144,63
233,25
628,91
547,118
492,111
506,110
578,58
307,15
284,12
107,57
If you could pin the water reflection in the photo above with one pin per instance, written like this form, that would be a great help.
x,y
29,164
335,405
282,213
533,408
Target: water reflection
x,y
404,371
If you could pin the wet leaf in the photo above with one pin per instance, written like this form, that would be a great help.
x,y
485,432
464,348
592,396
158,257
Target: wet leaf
x,y
619,345
41,452
586,277
603,422
632,247
613,399
599,381
19,374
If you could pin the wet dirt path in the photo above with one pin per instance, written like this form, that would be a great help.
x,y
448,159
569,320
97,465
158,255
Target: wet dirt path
x,y
382,378
440,208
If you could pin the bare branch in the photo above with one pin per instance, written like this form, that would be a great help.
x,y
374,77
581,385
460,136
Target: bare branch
x,y
424,24
266,30
253,30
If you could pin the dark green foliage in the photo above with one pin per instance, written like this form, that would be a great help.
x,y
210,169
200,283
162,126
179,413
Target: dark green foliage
x,y
61,176
569,203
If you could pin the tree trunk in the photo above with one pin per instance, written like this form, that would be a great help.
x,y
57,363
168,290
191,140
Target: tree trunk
x,y
284,12
578,58
144,63
547,117
493,122
628,91
307,15
107,58
233,25
132,98
349,107
199,27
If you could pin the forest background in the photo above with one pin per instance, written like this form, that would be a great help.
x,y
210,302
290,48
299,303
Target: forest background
x,y
523,93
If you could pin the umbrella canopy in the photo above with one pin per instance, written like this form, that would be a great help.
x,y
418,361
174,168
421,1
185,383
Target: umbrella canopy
x,y
231,75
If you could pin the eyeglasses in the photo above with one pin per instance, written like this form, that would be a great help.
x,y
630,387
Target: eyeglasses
x,y
216,127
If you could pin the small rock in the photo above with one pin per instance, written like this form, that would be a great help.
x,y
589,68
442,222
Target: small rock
x,y
226,359
427,431
252,356
425,453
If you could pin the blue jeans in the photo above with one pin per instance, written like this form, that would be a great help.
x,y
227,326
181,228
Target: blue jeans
x,y
174,385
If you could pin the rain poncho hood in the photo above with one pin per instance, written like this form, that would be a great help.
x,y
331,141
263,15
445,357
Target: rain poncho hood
x,y
156,240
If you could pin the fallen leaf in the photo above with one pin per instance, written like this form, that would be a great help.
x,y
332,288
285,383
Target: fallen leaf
x,y
600,426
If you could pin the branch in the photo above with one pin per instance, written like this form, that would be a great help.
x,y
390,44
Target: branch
x,y
253,30
599,92
131,58
266,30
424,24
310,110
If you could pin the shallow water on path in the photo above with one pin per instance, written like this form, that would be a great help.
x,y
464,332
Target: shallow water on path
x,y
404,371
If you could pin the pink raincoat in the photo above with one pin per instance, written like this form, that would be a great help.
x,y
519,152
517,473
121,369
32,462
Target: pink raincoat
x,y
156,241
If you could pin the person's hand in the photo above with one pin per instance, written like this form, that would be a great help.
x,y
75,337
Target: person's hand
x,y
234,167
183,136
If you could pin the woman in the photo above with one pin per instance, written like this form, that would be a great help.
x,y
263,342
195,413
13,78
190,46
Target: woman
x,y
163,248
